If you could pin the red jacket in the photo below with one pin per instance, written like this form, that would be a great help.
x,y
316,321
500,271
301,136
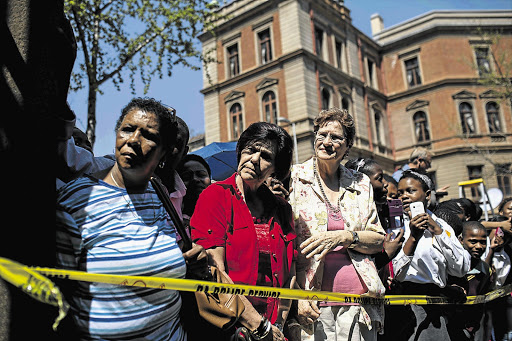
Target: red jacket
x,y
222,218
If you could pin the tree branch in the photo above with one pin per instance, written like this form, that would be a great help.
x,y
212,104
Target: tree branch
x,y
129,57
81,37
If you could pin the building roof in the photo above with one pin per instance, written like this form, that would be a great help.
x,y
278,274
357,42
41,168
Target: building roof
x,y
455,19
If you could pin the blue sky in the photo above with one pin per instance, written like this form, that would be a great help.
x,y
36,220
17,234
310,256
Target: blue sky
x,y
181,91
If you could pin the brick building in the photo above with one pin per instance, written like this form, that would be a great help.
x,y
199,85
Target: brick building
x,y
283,61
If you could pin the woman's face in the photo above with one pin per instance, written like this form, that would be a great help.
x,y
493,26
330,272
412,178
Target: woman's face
x,y
330,142
379,186
257,162
507,210
138,143
410,190
195,177
392,190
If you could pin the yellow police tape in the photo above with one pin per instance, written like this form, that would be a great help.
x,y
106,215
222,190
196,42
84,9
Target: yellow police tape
x,y
32,281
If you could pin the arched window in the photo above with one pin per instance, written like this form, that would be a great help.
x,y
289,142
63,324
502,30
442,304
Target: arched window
x,y
466,118
237,124
326,96
270,107
344,103
493,117
421,126
378,127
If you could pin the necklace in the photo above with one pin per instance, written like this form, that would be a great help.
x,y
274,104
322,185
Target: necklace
x,y
134,209
333,211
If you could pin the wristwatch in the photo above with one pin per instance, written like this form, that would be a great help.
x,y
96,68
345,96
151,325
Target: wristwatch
x,y
355,240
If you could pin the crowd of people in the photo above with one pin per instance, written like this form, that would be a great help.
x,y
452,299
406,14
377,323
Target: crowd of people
x,y
320,225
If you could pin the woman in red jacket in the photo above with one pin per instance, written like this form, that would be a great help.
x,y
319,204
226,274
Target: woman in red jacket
x,y
248,231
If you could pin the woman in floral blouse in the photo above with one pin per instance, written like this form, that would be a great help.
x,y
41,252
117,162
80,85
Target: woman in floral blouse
x,y
338,230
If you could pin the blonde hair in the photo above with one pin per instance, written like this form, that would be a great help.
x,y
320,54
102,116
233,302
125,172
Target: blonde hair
x,y
420,152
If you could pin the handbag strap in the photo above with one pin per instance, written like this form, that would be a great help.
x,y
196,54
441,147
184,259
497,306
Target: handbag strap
x,y
169,207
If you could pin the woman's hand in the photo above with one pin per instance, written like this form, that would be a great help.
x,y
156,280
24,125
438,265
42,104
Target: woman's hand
x,y
197,262
277,188
277,335
323,242
307,312
392,247
423,222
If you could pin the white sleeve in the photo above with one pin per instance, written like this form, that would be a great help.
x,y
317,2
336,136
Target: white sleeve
x,y
458,260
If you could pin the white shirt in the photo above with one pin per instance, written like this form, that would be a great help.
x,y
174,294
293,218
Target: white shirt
x,y
501,262
435,257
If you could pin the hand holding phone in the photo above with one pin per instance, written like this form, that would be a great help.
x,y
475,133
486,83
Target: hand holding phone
x,y
416,208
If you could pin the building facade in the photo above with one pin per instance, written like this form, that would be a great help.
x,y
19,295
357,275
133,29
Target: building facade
x,y
284,61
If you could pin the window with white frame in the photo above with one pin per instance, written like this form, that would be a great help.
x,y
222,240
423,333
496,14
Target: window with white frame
x,y
379,126
233,60
493,117
319,41
483,62
344,103
421,129
412,71
269,104
475,172
236,119
504,178
326,99
265,45
467,120
372,81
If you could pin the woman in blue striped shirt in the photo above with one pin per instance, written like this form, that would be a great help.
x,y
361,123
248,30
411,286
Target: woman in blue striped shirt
x,y
113,222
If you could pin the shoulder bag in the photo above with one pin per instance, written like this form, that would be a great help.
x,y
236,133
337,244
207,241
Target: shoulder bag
x,y
220,310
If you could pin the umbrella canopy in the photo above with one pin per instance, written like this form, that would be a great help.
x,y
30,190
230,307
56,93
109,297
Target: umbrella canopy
x,y
221,157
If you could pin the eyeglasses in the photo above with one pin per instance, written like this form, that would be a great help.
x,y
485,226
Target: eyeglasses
x,y
334,138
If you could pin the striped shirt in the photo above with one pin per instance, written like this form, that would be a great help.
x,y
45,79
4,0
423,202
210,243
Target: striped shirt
x,y
104,229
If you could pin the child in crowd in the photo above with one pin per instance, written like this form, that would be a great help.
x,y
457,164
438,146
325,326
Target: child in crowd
x,y
430,253
466,323
392,187
505,207
392,242
452,213
499,311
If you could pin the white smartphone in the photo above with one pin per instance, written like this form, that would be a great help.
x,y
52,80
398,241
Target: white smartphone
x,y
416,208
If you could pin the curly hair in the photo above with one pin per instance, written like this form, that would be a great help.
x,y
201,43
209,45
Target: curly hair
x,y
341,116
166,118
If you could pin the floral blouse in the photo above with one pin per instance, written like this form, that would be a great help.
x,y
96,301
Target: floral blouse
x,y
360,214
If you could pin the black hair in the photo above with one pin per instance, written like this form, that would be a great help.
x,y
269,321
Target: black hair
x,y
166,118
193,157
362,165
470,208
472,225
183,133
410,174
450,206
448,211
269,132
390,179
503,203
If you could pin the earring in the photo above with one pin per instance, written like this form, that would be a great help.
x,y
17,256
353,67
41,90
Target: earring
x,y
161,164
